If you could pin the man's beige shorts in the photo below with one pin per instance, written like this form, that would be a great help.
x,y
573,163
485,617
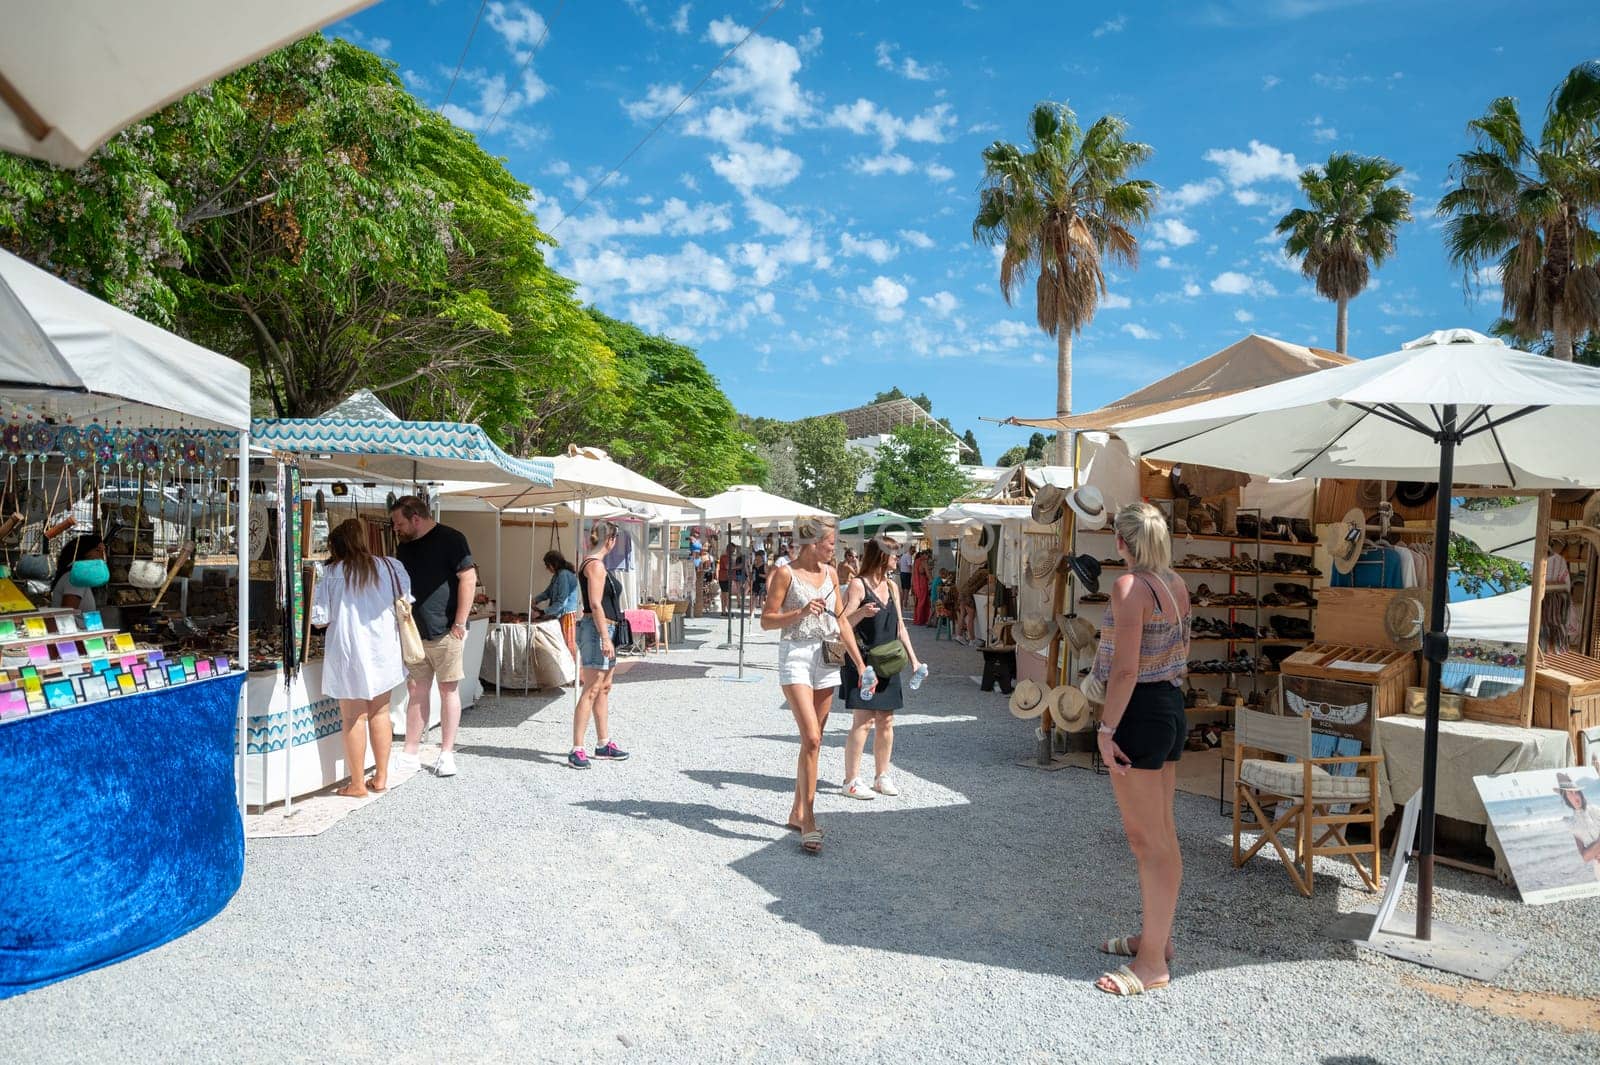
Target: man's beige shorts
x,y
444,661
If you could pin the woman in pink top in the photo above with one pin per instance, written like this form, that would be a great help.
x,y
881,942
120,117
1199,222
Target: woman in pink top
x,y
1143,653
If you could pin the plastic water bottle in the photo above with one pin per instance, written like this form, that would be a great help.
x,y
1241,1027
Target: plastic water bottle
x,y
919,676
869,684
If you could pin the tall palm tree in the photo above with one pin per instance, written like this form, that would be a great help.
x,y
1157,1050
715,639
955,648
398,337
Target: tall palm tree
x,y
1526,209
1060,208
1348,230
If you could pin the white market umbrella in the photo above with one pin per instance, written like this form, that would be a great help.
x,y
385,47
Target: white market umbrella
x,y
1452,407
74,73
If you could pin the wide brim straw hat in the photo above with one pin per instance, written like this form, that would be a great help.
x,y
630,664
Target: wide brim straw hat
x,y
1369,494
975,543
1069,708
1047,504
1027,700
1079,631
1405,619
1344,539
1090,507
1591,511
1033,633
1041,567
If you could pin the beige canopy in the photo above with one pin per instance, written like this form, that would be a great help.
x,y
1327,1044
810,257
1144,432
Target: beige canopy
x,y
1249,363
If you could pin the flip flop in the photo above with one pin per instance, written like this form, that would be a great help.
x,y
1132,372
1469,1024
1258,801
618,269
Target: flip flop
x,y
1128,984
811,842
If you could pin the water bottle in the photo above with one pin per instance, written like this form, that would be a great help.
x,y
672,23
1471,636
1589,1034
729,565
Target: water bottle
x,y
869,683
919,676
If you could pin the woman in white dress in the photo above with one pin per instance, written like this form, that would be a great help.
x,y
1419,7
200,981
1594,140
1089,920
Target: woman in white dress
x,y
361,664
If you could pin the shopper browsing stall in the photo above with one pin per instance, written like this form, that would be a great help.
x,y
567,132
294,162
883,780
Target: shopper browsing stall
x,y
355,598
443,582
561,594
601,595
74,584
1142,659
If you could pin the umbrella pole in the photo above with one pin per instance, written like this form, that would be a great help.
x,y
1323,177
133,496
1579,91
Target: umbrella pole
x,y
744,548
499,634
1435,648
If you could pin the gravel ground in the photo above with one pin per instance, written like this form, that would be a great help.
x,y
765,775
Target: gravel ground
x,y
657,910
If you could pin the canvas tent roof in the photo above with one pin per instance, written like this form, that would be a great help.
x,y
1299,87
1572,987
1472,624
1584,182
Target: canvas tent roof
x,y
397,451
874,520
1249,363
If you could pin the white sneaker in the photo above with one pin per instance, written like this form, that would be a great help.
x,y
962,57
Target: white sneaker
x,y
446,765
855,790
884,785
401,762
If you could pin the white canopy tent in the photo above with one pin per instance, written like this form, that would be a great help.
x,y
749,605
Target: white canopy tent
x,y
74,73
1451,407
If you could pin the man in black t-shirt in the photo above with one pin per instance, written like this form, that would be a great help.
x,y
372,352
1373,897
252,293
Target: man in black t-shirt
x,y
443,583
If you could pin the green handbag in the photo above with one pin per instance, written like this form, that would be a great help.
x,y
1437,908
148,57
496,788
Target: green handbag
x,y
888,659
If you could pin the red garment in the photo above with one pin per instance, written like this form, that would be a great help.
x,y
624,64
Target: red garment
x,y
920,588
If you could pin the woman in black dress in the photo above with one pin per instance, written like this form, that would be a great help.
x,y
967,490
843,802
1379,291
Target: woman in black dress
x,y
758,583
872,607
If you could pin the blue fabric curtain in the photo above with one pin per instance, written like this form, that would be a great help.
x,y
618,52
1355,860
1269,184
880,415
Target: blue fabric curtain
x,y
122,829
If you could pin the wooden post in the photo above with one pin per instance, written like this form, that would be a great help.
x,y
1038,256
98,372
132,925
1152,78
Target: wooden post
x,y
1541,548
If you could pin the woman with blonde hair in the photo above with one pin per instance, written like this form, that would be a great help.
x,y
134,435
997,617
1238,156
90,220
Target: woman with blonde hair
x,y
361,665
600,594
804,602
872,608
1142,659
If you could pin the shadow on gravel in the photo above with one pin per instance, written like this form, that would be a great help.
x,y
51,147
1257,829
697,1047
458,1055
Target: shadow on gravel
x,y
650,670
514,754
699,816
719,779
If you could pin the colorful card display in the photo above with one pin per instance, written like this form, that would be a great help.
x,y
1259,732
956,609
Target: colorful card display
x,y
35,628
175,674
66,625
92,622
95,687
94,645
59,694
155,679
124,642
13,702
67,650
8,630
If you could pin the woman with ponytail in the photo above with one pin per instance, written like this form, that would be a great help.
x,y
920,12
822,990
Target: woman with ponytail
x,y
601,596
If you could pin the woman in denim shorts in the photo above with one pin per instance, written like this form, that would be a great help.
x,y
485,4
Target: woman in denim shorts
x,y
600,594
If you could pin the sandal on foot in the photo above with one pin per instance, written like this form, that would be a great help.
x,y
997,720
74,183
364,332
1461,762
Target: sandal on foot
x,y
1122,947
811,842
1128,984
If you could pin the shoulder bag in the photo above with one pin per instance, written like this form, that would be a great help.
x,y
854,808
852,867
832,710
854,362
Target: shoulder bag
x,y
623,632
412,652
833,651
888,659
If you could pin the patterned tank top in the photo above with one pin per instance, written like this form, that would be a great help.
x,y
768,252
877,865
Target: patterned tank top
x,y
821,627
1163,643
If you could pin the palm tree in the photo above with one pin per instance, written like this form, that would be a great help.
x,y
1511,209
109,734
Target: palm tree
x,y
1060,208
1527,207
1348,230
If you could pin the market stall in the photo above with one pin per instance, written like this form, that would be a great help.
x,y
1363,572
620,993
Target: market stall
x,y
288,715
116,758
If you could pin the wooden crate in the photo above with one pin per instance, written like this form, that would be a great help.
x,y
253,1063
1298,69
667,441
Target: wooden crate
x,y
1155,479
1387,671
1352,617
1566,696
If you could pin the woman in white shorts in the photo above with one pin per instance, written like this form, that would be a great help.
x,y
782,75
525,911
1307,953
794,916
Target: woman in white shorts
x,y
804,601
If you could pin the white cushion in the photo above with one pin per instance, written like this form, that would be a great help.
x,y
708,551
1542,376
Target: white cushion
x,y
1288,778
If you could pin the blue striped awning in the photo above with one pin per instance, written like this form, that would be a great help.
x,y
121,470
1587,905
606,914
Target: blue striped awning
x,y
422,451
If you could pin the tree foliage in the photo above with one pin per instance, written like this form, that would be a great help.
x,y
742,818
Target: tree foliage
x,y
920,399
1348,229
825,470
973,457
914,472
1033,452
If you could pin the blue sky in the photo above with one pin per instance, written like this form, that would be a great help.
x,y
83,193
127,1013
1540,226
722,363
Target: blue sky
x,y
805,219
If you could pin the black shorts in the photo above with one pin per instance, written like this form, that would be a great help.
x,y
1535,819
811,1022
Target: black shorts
x,y
1154,727
725,585
905,582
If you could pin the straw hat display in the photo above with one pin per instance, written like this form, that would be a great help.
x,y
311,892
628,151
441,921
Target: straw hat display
x,y
1047,504
1414,493
1078,631
1027,700
1069,708
1033,633
1090,507
1345,538
1591,511
1369,494
1087,569
1042,557
1405,619
974,546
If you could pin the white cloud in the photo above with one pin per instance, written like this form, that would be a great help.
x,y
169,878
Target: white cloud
x,y
1192,194
658,100
877,249
889,163
753,166
1322,132
939,172
1012,333
1243,316
1270,81
1139,332
1165,263
885,295
727,126
1114,25
673,218
1233,283
680,21
610,268
1191,289
810,40
519,25
1247,197
941,303
689,181
771,219
1262,162
907,68
916,238
1114,302
1171,231
762,72
931,126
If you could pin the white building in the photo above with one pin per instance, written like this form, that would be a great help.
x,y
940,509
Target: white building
x,y
867,428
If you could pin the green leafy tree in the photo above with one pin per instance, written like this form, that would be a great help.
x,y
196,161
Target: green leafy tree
x,y
1585,349
1348,229
782,478
973,456
826,470
1481,573
1033,452
915,472
1013,456
1060,209
921,399
1524,209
